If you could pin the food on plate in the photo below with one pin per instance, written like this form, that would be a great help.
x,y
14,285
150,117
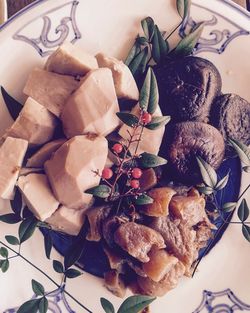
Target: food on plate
x,y
154,137
138,240
38,195
188,140
12,153
187,88
67,220
231,115
125,85
71,169
162,197
38,159
115,284
95,217
148,179
93,106
34,124
70,60
50,89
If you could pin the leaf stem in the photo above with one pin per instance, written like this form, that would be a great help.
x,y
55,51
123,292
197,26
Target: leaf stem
x,y
171,33
46,275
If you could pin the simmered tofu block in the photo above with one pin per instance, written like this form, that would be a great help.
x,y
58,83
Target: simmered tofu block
x,y
125,85
12,153
71,60
159,265
50,89
34,124
151,139
44,154
38,195
93,106
70,170
66,220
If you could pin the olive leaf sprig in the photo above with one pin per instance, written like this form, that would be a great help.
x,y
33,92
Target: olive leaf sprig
x,y
127,159
153,46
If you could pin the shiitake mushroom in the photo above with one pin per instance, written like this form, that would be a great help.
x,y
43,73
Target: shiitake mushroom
x,y
187,88
231,115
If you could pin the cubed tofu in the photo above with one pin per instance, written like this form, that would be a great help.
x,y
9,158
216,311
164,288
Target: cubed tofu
x,y
71,60
71,169
151,139
44,154
38,195
67,220
12,153
159,265
125,85
34,124
50,89
93,107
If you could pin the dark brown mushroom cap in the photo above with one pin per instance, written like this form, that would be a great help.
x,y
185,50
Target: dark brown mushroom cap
x,y
187,88
231,115
186,141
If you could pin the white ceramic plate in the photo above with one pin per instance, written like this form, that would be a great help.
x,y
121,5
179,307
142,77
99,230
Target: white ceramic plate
x,y
111,26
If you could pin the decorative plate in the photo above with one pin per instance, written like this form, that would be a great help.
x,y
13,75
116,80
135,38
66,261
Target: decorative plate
x,y
222,281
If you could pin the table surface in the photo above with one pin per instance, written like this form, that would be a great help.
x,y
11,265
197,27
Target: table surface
x,y
16,5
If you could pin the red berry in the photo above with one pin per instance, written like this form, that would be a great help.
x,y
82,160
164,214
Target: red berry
x,y
146,118
136,172
107,173
135,183
117,148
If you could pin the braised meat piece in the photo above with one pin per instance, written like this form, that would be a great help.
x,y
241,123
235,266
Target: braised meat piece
x,y
109,227
158,289
187,88
138,240
114,283
188,140
95,217
231,115
162,197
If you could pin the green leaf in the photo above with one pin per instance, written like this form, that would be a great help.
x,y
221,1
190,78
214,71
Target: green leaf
x,y
222,183
246,169
141,41
149,94
242,150
31,306
37,288
5,266
183,7
16,203
229,206
101,191
48,243
27,229
128,118
107,306
10,218
12,240
148,160
186,45
148,27
13,106
158,122
243,211
208,174
43,305
205,190
144,199
58,266
246,231
134,304
4,252
135,50
72,273
160,47
138,64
